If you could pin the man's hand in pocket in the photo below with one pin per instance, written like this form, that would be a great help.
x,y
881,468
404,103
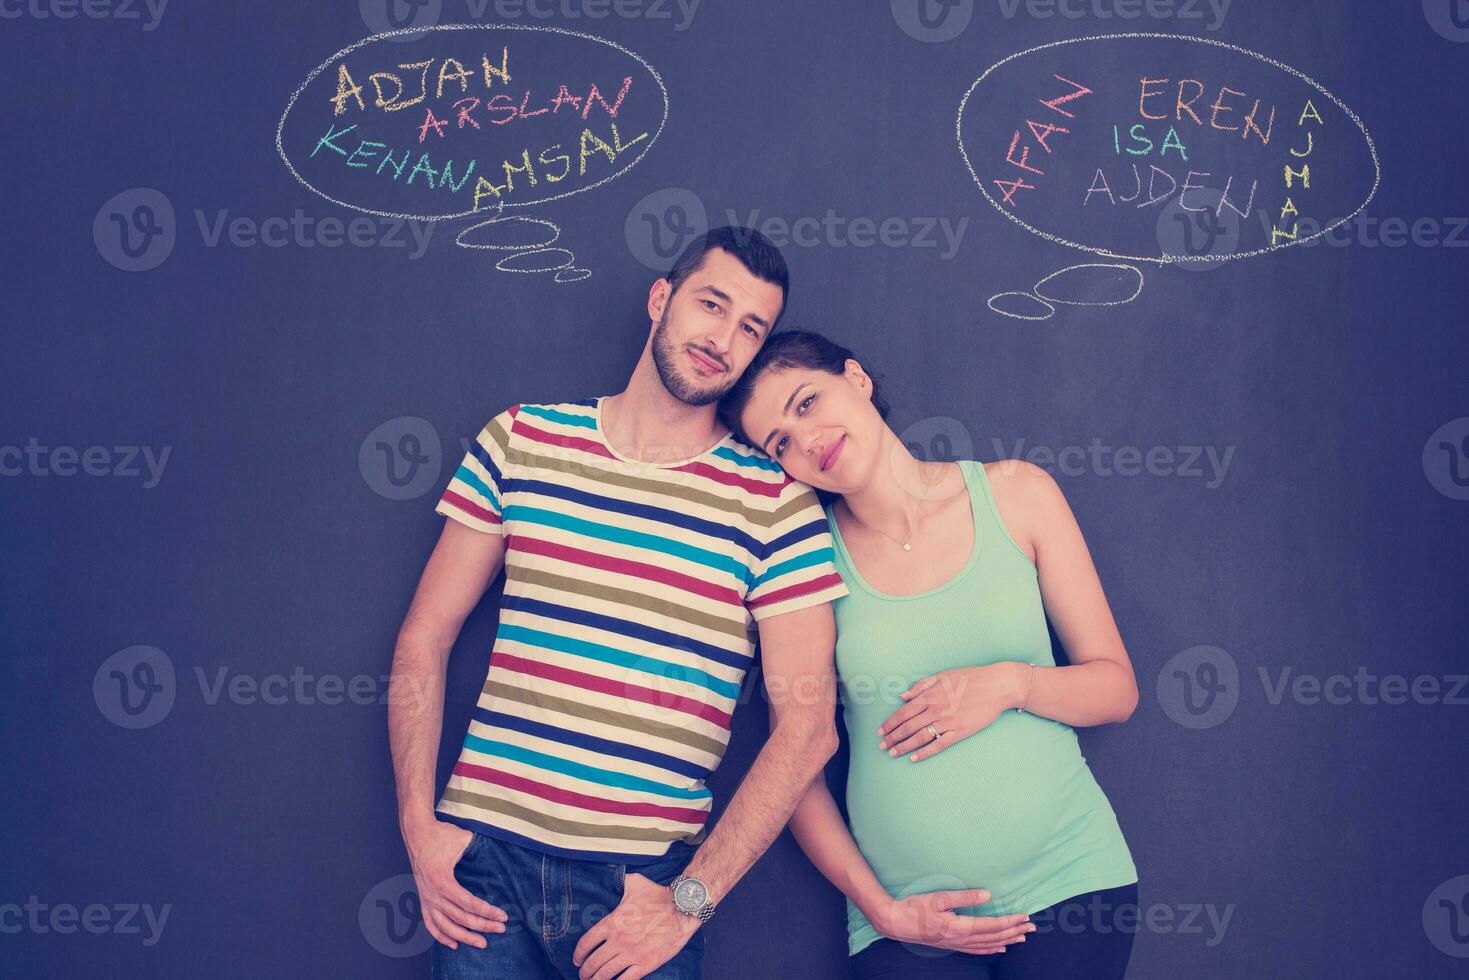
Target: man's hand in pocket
x,y
453,915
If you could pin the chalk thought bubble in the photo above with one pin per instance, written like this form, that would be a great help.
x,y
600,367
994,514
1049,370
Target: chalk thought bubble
x,y
470,119
1089,142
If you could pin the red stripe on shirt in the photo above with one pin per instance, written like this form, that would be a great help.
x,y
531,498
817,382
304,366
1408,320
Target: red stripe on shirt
x,y
592,682
801,588
732,479
597,448
558,795
560,440
637,569
471,508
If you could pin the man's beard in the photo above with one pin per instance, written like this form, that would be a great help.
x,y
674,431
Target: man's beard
x,y
665,359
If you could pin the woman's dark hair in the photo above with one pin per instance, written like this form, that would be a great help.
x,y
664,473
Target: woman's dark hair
x,y
755,252
782,351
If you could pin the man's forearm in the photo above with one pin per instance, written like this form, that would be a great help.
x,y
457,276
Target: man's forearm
x,y
415,721
766,798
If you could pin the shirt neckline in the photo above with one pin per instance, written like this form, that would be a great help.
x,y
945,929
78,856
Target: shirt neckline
x,y
965,467
675,464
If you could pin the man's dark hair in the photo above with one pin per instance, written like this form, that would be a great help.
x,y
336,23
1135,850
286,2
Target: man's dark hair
x,y
792,349
754,250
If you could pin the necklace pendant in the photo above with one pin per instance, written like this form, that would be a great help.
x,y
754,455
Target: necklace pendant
x,y
907,546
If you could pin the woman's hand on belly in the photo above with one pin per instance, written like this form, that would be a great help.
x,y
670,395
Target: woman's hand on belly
x,y
930,920
957,703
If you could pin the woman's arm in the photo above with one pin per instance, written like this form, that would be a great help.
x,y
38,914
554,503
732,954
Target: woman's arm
x,y
928,918
1098,686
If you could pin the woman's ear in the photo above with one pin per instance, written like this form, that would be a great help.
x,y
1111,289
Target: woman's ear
x,y
858,377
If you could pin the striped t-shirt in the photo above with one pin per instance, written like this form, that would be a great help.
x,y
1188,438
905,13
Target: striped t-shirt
x,y
632,593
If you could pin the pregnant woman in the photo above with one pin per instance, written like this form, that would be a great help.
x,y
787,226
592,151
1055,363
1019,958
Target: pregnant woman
x,y
965,771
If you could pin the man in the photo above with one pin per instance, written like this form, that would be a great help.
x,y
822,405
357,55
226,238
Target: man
x,y
643,546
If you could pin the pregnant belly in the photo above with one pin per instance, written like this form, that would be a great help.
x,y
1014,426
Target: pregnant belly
x,y
997,810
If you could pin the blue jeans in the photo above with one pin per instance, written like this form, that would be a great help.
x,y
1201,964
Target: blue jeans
x,y
551,902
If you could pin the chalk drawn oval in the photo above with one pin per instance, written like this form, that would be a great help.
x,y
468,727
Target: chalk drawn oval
x,y
540,260
1021,306
483,235
1027,119
519,69
1091,284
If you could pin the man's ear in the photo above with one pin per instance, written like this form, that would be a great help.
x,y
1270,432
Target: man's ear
x,y
858,377
658,296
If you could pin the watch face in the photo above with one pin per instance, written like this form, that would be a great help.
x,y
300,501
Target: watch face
x,y
690,895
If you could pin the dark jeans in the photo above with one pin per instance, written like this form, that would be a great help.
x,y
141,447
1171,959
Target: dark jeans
x,y
551,901
1087,936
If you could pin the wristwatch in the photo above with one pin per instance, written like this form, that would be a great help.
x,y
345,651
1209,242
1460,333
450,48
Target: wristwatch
x,y
691,897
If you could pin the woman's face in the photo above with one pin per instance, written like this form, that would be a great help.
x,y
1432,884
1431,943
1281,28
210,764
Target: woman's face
x,y
821,428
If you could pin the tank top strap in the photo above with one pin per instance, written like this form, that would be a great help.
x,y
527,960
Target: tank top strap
x,y
987,520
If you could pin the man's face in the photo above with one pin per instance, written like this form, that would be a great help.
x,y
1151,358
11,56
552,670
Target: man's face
x,y
711,327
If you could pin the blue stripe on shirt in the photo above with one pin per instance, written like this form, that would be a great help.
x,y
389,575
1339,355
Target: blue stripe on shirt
x,y
591,743
577,770
626,627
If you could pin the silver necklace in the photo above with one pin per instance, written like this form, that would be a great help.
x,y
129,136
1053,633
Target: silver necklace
x,y
904,543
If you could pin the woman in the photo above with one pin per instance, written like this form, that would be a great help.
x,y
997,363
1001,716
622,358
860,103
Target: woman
x,y
967,788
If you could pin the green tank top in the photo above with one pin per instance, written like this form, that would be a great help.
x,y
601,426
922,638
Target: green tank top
x,y
1013,808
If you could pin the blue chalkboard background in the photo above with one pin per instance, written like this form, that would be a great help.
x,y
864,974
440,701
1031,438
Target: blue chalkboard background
x,y
230,405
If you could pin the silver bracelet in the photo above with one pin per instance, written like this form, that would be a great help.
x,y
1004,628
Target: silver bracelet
x,y
1030,687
